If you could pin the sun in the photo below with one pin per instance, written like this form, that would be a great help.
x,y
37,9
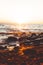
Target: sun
x,y
20,21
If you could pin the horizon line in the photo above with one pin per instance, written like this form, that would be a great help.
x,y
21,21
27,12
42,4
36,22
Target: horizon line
x,y
15,23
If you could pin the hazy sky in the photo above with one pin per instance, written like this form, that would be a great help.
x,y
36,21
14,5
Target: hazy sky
x,y
21,10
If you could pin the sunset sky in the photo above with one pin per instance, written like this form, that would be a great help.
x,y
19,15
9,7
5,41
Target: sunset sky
x,y
21,11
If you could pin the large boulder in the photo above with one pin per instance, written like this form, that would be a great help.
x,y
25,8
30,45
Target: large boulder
x,y
11,39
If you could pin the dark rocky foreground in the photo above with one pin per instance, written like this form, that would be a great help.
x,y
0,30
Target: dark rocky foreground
x,y
26,53
30,56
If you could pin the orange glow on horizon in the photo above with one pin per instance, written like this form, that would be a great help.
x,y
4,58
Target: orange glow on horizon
x,y
19,24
